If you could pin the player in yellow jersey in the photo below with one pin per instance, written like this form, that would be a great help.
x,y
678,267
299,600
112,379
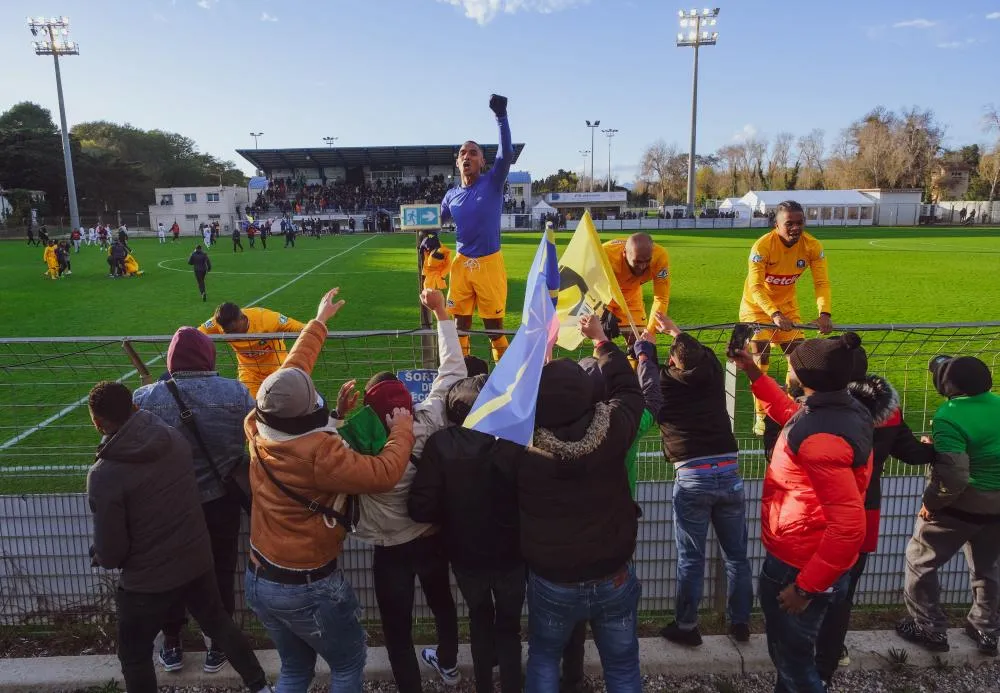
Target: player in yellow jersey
x,y
636,261
256,358
777,260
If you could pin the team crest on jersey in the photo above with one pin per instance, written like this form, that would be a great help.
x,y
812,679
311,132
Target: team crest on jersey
x,y
822,254
282,320
450,304
756,258
800,263
662,274
208,324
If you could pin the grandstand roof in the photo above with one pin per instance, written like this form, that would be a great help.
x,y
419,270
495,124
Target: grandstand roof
x,y
518,177
350,157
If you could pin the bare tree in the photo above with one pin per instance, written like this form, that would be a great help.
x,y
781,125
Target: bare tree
x,y
918,137
731,155
811,151
991,119
777,162
664,169
989,171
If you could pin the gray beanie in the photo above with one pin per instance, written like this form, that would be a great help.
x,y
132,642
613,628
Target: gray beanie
x,y
288,393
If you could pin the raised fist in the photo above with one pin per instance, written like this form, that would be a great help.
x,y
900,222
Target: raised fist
x,y
498,104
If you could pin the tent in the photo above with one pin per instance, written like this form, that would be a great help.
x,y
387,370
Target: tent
x,y
740,209
541,209
822,207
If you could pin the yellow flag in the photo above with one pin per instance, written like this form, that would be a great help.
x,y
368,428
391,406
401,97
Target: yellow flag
x,y
586,282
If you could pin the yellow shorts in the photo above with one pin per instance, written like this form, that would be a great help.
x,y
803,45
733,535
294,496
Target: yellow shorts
x,y
780,337
635,307
478,284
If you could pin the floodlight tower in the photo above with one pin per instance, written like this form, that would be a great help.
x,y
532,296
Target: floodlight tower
x,y
596,124
53,35
255,135
609,133
330,140
694,37
583,172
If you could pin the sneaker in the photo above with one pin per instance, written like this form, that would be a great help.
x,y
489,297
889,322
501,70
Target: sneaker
x,y
215,661
986,643
690,637
845,658
740,632
171,659
935,642
451,677
758,425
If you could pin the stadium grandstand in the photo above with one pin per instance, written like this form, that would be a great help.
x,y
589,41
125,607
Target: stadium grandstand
x,y
332,181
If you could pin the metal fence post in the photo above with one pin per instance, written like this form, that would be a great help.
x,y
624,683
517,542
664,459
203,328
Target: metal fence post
x,y
137,362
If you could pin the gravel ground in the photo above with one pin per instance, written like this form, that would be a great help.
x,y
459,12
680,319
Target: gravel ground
x,y
982,679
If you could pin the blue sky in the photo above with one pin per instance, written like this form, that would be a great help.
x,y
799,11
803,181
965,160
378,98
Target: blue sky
x,y
383,72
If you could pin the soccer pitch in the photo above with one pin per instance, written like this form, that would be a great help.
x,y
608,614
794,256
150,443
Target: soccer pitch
x,y
879,276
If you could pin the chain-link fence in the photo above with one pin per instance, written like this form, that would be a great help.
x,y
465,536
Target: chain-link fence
x,y
47,443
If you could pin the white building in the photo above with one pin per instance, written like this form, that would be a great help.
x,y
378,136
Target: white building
x,y
896,207
519,183
190,207
822,207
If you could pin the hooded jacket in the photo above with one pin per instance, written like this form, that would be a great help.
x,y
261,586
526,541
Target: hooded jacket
x,y
317,465
812,508
965,478
465,482
147,512
694,420
200,262
385,519
577,519
892,436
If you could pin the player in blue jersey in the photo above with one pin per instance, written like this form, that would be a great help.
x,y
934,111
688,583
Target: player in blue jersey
x,y
478,275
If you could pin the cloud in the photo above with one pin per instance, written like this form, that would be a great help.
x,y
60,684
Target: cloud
x,y
484,11
914,24
993,15
205,4
957,44
265,17
748,132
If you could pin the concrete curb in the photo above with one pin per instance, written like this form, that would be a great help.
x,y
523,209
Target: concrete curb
x,y
718,655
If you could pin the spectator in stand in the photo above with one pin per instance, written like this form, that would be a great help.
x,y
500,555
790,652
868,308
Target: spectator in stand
x,y
149,523
302,475
961,509
581,569
218,406
698,439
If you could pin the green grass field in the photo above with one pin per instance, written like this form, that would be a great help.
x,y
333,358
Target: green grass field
x,y
879,275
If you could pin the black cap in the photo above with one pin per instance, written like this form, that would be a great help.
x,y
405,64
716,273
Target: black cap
x,y
960,376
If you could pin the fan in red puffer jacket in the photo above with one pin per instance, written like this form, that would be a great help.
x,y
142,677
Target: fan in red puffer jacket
x,y
812,509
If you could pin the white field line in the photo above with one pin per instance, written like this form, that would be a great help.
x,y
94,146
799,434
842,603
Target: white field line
x,y
83,400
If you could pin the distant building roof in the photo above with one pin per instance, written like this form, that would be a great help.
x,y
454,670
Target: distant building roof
x,y
518,177
772,198
374,157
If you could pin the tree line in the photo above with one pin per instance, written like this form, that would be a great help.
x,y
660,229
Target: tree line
x,y
883,149
116,166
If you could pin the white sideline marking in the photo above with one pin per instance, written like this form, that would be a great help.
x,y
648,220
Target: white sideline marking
x,y
83,400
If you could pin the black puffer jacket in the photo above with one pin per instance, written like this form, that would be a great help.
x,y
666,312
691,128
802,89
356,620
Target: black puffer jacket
x,y
693,418
578,520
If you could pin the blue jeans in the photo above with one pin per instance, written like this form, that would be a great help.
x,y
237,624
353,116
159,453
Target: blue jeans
x,y
791,639
701,497
305,620
610,605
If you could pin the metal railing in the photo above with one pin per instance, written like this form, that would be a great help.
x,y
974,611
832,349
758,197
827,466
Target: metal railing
x,y
47,443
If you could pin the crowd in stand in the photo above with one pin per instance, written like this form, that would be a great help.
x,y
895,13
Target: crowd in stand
x,y
554,524
290,196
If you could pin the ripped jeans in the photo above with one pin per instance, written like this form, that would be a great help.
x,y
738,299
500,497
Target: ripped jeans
x,y
321,618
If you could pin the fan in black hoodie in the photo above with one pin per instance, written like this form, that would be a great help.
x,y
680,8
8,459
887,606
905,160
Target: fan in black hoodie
x,y
893,438
465,482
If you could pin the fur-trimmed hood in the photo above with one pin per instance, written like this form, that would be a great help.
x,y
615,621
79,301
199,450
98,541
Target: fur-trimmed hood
x,y
878,396
596,432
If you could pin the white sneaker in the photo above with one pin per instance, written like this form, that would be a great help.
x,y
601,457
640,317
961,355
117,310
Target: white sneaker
x,y
450,677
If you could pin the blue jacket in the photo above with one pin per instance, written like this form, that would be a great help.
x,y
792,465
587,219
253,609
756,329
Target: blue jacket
x,y
219,406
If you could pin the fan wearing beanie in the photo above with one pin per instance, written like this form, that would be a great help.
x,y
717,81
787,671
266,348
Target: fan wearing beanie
x,y
301,475
813,521
578,521
405,549
961,510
